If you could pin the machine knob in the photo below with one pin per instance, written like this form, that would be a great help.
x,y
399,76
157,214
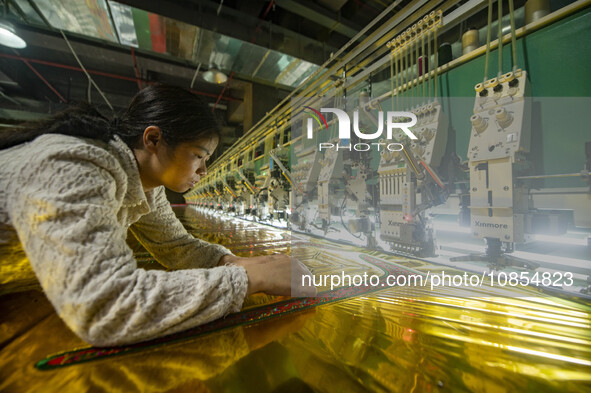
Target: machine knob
x,y
478,123
503,117
419,150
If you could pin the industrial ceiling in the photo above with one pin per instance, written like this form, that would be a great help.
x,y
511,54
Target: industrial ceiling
x,y
103,51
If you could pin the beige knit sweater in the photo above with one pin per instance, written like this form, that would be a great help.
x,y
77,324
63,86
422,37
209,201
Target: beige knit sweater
x,y
69,202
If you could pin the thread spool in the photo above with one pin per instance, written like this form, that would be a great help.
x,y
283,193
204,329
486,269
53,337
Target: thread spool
x,y
470,41
423,59
363,97
536,9
444,53
491,83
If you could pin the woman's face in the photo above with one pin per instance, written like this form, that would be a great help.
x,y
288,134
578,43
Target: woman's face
x,y
183,165
177,168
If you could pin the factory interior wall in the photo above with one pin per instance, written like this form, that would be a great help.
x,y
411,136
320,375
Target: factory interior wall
x,y
557,60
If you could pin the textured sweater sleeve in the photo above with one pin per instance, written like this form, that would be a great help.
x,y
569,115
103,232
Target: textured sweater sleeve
x,y
64,211
163,235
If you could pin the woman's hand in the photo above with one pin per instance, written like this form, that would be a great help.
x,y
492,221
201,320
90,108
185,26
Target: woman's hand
x,y
277,274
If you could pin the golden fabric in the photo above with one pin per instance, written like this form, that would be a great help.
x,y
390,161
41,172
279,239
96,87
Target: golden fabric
x,y
395,340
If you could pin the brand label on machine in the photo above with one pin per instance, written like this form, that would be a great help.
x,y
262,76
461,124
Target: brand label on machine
x,y
490,225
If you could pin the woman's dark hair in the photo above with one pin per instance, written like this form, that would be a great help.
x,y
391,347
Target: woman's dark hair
x,y
180,115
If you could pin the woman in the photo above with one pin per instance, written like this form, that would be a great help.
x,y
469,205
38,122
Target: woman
x,y
71,186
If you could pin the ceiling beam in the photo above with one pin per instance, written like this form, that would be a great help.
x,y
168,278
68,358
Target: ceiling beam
x,y
310,11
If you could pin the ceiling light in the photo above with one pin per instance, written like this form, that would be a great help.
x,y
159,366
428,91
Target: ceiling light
x,y
9,38
215,76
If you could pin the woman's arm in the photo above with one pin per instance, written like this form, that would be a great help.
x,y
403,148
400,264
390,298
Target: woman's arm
x,y
64,211
163,235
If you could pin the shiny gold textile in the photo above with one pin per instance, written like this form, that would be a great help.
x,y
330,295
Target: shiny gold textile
x,y
394,340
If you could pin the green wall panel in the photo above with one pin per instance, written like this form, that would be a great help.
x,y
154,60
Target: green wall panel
x,y
558,61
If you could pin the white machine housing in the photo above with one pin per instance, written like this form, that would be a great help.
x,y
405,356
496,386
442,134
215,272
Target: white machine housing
x,y
499,139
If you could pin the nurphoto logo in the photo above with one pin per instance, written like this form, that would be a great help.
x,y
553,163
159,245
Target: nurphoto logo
x,y
394,120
